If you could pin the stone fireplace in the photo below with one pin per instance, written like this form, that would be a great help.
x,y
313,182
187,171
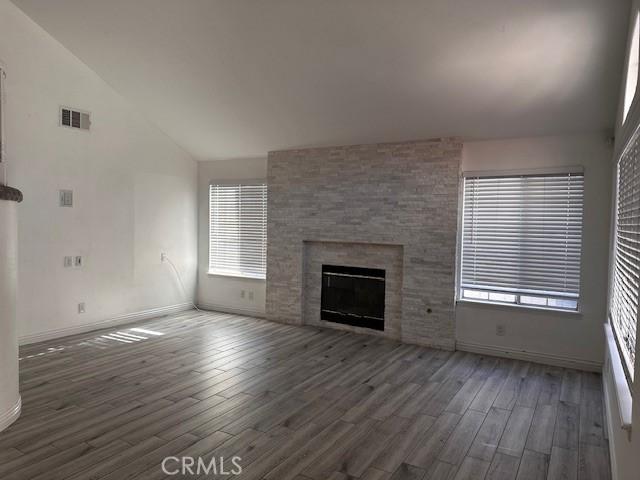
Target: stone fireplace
x,y
390,207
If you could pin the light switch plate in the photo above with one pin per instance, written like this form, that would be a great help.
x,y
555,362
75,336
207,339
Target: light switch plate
x,y
78,261
68,262
81,308
66,198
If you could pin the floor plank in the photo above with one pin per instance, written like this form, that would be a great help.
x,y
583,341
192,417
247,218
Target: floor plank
x,y
461,438
408,472
533,466
593,463
540,436
503,467
563,464
472,469
487,439
566,431
515,433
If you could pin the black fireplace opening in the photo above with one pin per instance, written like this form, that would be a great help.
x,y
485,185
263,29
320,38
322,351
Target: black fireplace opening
x,y
353,296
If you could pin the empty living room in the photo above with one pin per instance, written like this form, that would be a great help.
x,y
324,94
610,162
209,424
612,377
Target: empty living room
x,y
319,239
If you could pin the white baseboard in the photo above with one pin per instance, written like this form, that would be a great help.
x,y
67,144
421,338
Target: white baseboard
x,y
11,415
226,309
119,320
537,357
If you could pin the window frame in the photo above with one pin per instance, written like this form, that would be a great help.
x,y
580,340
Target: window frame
x,y
518,303
231,273
459,295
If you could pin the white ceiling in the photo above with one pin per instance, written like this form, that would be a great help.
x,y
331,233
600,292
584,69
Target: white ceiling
x,y
237,78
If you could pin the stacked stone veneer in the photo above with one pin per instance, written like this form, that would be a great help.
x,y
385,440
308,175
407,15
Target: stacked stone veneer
x,y
400,195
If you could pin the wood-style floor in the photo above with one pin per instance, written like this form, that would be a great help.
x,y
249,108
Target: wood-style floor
x,y
295,403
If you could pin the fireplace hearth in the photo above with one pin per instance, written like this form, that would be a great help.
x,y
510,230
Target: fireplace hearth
x,y
353,296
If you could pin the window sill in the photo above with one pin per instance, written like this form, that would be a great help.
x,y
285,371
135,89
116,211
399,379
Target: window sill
x,y
213,273
508,306
622,390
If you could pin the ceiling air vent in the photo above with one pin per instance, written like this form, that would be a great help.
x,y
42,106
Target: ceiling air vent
x,y
75,118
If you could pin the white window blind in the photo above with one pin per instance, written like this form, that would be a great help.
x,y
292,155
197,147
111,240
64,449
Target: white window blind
x,y
238,230
626,269
521,240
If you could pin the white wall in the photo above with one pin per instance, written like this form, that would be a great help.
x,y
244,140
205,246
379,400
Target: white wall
x,y
135,192
566,337
215,291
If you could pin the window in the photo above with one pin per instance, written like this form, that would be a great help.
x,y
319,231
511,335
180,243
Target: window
x,y
521,240
238,230
626,263
632,68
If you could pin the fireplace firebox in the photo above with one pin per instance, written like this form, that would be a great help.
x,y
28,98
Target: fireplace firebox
x,y
353,296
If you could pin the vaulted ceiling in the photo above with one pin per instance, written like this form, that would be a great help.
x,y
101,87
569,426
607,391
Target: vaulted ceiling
x,y
237,78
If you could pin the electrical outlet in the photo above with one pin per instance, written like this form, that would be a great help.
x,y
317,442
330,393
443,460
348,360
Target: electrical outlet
x,y
501,330
250,295
68,262
81,308
78,261
242,293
